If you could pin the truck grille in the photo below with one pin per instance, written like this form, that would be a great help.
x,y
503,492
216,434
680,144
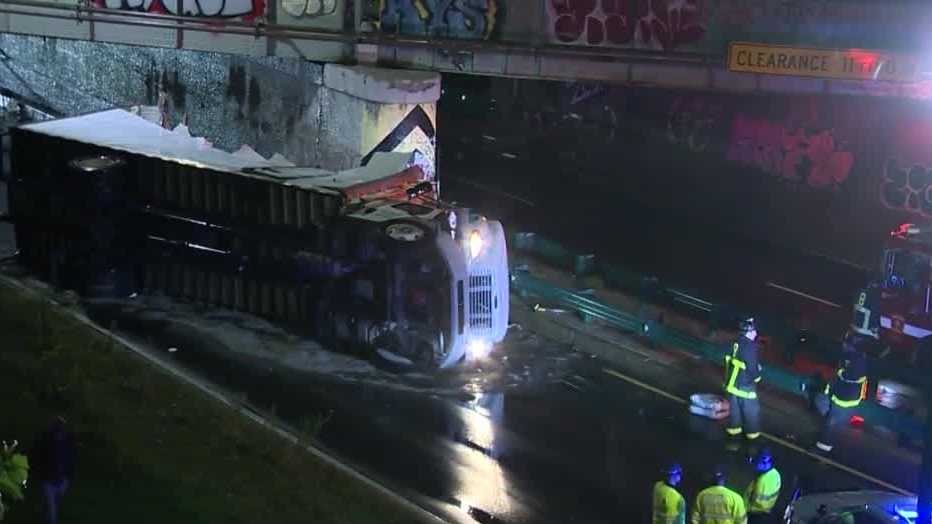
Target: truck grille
x,y
480,302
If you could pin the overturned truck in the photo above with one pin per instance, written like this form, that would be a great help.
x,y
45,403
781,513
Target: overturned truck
x,y
109,204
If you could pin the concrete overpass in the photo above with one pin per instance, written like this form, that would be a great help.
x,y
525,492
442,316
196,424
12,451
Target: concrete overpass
x,y
679,43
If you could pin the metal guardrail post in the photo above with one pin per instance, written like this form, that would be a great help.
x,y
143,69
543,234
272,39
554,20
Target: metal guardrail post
x,y
524,241
583,265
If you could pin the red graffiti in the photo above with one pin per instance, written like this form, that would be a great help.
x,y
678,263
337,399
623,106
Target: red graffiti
x,y
666,24
793,154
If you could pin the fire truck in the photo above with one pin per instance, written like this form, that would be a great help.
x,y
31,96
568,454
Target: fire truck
x,y
896,306
109,204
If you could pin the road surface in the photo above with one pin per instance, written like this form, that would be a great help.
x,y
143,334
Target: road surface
x,y
539,433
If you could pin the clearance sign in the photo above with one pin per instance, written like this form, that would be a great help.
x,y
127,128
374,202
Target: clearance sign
x,y
851,64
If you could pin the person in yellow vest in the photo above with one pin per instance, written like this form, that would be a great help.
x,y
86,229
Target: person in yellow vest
x,y
717,504
844,392
742,373
762,493
669,505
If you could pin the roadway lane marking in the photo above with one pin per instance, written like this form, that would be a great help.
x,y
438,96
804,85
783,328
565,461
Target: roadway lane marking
x,y
648,387
773,438
804,295
569,384
492,190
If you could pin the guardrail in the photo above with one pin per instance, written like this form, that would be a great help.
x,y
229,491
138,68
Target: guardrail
x,y
590,308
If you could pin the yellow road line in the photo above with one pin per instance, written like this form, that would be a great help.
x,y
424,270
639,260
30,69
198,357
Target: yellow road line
x,y
648,387
773,438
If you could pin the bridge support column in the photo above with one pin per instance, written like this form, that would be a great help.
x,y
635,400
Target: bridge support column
x,y
374,109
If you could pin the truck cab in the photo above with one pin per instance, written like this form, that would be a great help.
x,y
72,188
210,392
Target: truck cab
x,y
902,292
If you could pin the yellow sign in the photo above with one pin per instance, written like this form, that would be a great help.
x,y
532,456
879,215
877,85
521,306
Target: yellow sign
x,y
851,64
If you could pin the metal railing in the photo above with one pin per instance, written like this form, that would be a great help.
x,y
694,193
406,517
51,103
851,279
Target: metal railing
x,y
589,308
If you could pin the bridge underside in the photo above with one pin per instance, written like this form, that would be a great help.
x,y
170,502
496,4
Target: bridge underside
x,y
329,40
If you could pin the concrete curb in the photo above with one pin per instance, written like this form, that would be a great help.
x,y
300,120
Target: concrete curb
x,y
420,514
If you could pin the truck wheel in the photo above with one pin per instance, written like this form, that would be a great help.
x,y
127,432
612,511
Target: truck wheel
x,y
405,232
424,357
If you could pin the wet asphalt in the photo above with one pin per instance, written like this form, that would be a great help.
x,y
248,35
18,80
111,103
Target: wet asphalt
x,y
537,433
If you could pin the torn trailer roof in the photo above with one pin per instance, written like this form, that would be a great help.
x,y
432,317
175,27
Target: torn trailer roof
x,y
121,130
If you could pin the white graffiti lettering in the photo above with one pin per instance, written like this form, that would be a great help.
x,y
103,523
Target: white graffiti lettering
x,y
309,8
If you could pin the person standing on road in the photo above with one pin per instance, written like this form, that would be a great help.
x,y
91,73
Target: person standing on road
x,y
866,319
762,493
717,504
843,393
742,373
669,505
53,457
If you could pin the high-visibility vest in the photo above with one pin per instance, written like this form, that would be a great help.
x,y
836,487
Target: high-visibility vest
x,y
669,505
718,505
763,492
14,470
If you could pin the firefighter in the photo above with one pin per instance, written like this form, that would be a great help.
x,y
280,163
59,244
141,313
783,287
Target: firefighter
x,y
762,493
717,504
844,392
866,320
669,505
742,373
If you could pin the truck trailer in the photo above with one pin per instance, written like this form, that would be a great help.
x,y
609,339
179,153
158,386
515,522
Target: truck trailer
x,y
109,204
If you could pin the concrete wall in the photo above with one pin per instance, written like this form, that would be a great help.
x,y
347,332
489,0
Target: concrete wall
x,y
275,105
384,110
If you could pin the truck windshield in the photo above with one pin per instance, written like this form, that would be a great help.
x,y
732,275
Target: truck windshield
x,y
906,269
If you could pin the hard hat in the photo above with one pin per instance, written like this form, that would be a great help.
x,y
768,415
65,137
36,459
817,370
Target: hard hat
x,y
673,469
719,472
747,324
764,459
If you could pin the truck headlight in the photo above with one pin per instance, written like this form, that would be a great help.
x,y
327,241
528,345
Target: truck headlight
x,y
478,349
475,243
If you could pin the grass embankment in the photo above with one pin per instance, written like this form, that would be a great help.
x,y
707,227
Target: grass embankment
x,y
151,449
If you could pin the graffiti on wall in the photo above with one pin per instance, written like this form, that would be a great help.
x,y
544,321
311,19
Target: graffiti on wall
x,y
247,9
472,19
414,133
804,155
648,24
310,8
907,188
906,183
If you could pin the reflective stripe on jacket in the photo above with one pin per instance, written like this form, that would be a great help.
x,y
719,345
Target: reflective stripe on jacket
x,y
763,492
718,505
669,505
742,369
850,376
